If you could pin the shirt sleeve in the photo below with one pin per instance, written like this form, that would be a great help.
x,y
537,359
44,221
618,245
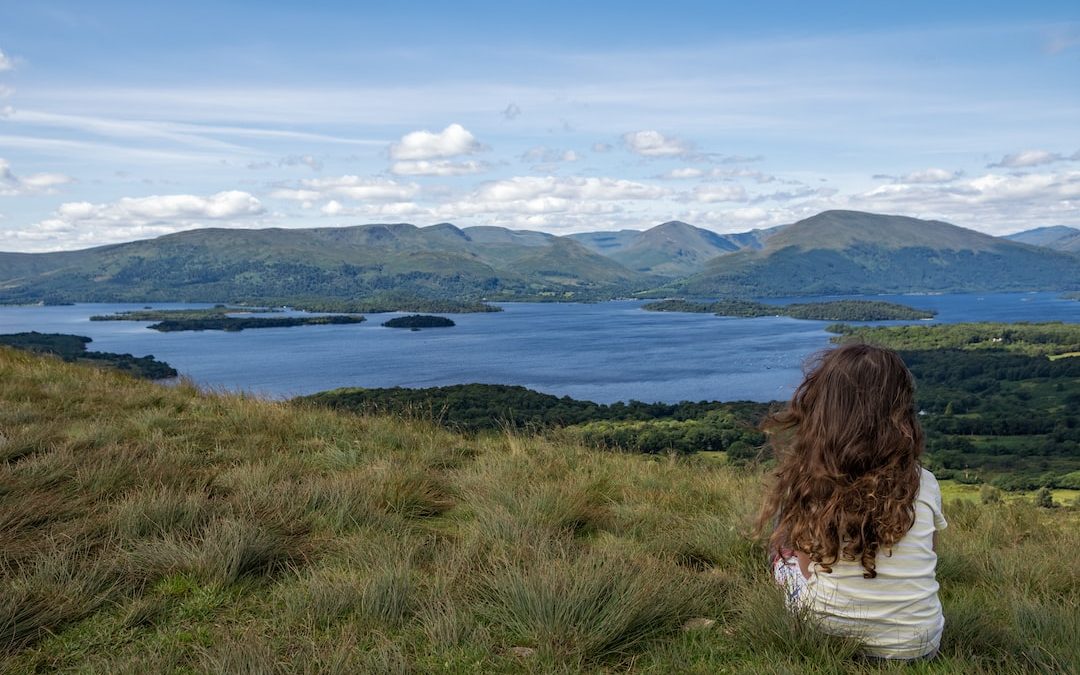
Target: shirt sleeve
x,y
934,499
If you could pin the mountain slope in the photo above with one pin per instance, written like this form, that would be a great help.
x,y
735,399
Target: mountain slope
x,y
1058,237
850,252
217,265
671,249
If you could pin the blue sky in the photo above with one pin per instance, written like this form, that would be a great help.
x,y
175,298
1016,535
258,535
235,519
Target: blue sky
x,y
123,120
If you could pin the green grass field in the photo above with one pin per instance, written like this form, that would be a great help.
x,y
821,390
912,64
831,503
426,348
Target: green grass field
x,y
154,529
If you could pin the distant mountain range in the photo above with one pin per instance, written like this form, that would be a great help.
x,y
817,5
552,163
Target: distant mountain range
x,y
842,252
672,249
1058,237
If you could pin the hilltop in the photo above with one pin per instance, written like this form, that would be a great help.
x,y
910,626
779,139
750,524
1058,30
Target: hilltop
x,y
850,252
158,529
444,268
671,249
1058,237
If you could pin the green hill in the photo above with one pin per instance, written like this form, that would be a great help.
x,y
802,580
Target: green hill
x,y
671,249
1059,238
155,529
850,252
443,268
276,266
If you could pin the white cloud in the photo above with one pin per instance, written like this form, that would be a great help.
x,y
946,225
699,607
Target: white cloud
x,y
993,203
720,193
1026,158
370,211
683,173
220,206
923,176
654,144
86,223
602,147
6,63
12,185
6,91
584,188
423,167
349,187
452,141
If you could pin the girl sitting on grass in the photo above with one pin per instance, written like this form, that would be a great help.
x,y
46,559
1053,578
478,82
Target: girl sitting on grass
x,y
855,517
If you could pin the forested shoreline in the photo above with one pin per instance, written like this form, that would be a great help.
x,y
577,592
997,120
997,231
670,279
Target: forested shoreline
x,y
1000,412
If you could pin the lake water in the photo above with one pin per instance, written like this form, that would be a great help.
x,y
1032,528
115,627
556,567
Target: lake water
x,y
602,352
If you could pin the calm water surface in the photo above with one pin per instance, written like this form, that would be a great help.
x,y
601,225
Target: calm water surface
x,y
601,352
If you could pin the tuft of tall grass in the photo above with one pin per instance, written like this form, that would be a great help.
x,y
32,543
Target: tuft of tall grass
x,y
321,596
160,510
226,551
54,589
586,608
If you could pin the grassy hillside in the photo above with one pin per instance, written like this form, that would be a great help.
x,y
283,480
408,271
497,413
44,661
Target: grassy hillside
x,y
152,529
842,252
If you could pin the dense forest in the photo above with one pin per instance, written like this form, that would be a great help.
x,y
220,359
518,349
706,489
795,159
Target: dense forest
x,y
1053,339
72,348
637,426
837,310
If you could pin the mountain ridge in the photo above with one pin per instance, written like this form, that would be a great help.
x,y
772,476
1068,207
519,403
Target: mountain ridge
x,y
1057,237
844,252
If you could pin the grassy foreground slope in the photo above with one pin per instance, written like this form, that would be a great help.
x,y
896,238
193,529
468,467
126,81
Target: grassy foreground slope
x,y
157,529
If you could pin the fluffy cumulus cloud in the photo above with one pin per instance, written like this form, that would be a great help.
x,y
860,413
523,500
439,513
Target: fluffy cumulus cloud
x,y
440,167
994,203
87,224
683,173
348,187
452,141
655,144
539,202
12,185
585,188
1026,158
5,62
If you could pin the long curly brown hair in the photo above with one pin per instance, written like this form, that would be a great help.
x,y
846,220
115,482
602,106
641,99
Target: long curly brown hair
x,y
847,449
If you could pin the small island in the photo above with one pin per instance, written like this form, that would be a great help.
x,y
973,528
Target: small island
x,y
417,321
836,310
233,324
72,348
150,314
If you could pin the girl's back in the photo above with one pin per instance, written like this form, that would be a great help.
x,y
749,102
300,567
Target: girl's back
x,y
850,497
896,614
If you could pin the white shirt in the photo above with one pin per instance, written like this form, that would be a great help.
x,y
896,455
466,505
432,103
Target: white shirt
x,y
896,614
